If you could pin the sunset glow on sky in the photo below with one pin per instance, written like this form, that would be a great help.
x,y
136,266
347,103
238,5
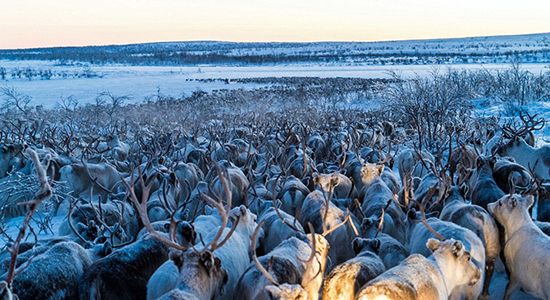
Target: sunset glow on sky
x,y
38,23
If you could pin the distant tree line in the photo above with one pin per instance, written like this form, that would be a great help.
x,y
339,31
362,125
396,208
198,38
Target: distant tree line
x,y
217,54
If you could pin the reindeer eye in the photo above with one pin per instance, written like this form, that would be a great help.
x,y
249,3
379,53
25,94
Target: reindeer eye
x,y
499,203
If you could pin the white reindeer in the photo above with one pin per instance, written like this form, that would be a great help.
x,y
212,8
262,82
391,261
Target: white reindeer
x,y
526,247
422,278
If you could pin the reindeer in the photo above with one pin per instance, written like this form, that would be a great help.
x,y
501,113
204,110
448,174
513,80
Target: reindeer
x,y
326,217
523,128
164,200
194,206
234,253
188,175
418,277
526,247
379,201
200,276
485,189
79,178
408,162
292,195
135,265
433,226
278,226
56,272
118,150
115,221
289,275
391,251
471,242
479,221
342,186
8,153
507,173
536,159
347,278
200,273
525,154
239,182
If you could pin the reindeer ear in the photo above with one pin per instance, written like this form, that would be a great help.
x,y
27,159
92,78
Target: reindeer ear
x,y
217,263
367,222
411,215
514,202
374,244
106,249
176,256
357,245
315,178
334,179
207,261
432,244
380,169
530,201
272,291
458,248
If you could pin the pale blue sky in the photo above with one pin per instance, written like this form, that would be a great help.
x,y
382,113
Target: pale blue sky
x,y
36,23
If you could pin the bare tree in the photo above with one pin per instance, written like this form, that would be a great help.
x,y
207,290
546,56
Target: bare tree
x,y
14,98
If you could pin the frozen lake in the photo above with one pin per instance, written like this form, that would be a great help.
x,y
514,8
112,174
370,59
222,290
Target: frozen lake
x,y
142,81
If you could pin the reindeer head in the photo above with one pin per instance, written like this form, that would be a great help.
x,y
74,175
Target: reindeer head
x,y
486,161
510,208
370,172
363,245
244,220
201,270
454,260
326,182
185,233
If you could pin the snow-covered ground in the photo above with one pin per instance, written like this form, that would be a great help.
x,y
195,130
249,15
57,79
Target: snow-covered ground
x,y
141,82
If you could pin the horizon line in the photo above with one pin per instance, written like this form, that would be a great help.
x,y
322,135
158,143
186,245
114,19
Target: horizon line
x,y
272,42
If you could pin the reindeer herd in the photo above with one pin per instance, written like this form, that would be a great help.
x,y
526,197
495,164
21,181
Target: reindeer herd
x,y
282,212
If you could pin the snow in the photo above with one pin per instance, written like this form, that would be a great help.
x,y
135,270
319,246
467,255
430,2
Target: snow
x,y
12,228
144,81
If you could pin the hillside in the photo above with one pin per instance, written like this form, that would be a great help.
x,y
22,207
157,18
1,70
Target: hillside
x,y
532,48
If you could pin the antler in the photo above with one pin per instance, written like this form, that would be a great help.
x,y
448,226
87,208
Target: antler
x,y
277,209
141,207
530,123
422,206
224,213
309,263
255,257
69,220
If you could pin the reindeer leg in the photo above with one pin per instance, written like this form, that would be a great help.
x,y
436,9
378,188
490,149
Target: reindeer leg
x,y
489,269
510,288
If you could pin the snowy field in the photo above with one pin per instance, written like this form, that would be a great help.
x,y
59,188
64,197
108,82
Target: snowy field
x,y
141,82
